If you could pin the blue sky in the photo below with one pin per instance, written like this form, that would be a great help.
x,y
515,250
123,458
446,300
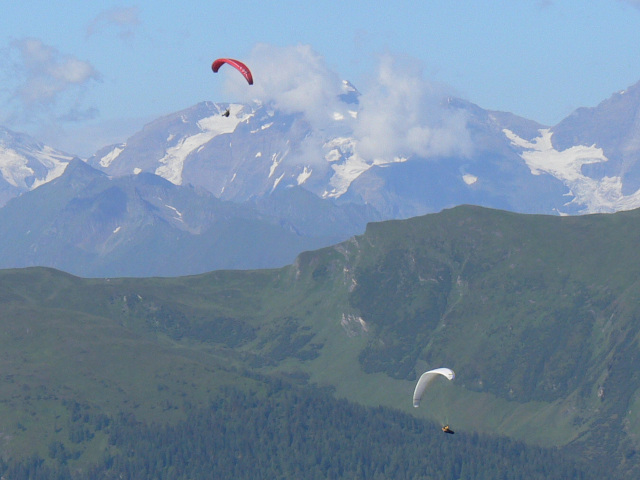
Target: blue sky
x,y
79,75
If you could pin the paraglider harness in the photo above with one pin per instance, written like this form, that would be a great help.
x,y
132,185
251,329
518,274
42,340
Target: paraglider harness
x,y
446,429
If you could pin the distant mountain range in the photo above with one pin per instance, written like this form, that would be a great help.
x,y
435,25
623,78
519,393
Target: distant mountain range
x,y
311,185
90,224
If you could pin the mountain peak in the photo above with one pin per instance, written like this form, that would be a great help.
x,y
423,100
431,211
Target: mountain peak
x,y
78,166
26,164
462,154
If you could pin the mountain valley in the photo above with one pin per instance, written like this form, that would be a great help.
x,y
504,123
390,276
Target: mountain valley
x,y
536,314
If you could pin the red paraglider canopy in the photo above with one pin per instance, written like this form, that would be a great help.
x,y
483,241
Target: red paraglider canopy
x,y
242,68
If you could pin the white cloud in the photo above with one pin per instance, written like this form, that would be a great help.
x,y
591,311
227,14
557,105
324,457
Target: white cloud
x,y
403,115
44,74
123,19
45,89
292,79
400,114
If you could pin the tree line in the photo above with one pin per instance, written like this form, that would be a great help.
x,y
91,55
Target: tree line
x,y
286,433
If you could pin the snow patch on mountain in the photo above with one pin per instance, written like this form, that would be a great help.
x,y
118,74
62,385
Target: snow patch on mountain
x,y
210,127
111,156
342,148
596,195
14,167
469,179
304,176
275,184
348,165
345,173
565,165
53,162
263,127
276,159
16,170
178,214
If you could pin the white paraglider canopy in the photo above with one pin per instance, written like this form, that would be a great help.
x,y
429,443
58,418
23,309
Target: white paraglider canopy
x,y
428,377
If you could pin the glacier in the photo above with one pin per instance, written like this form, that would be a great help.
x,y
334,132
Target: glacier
x,y
603,195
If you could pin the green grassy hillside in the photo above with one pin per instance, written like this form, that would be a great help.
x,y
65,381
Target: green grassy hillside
x,y
537,315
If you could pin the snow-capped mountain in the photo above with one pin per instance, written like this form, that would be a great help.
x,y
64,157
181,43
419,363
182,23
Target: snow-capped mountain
x,y
239,152
26,164
605,175
585,164
234,157
251,185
